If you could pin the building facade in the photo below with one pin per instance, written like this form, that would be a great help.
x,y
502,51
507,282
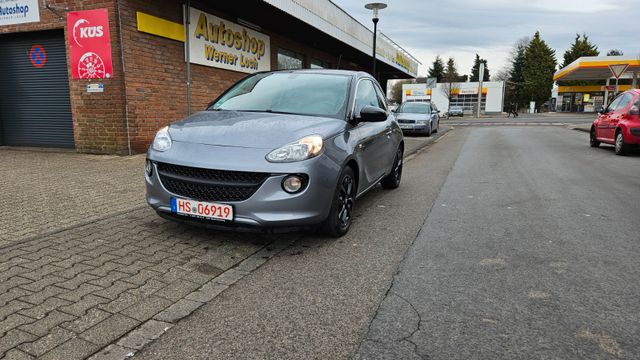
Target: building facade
x,y
463,94
58,93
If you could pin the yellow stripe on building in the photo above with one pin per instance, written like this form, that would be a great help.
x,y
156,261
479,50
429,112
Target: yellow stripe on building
x,y
157,26
593,64
588,88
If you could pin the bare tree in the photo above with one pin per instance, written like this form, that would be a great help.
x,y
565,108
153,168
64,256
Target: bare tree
x,y
450,86
395,89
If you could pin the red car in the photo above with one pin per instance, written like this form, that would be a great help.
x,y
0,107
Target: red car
x,y
619,123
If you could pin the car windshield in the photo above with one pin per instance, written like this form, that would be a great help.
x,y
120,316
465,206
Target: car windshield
x,y
415,108
289,93
456,108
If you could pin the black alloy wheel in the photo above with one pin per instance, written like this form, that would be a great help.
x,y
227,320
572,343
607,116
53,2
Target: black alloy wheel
x,y
341,215
392,181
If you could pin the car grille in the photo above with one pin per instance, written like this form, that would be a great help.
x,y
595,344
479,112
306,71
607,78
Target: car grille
x,y
403,121
208,184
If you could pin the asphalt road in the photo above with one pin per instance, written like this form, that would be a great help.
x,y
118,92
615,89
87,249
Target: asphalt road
x,y
531,251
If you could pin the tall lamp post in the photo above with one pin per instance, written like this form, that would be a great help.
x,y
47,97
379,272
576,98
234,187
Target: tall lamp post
x,y
375,7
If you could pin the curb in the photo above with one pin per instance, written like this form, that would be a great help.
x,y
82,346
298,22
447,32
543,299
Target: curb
x,y
427,142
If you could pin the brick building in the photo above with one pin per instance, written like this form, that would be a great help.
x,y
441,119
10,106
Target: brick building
x,y
43,105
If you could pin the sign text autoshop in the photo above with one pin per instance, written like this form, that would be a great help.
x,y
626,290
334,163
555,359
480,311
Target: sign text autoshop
x,y
223,44
18,11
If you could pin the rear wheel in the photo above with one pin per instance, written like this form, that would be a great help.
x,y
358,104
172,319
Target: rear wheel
x,y
392,181
592,138
339,220
621,147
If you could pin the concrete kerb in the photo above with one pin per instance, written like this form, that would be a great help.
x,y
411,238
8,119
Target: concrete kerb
x,y
426,142
150,330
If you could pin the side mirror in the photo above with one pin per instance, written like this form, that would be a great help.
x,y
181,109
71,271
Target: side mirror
x,y
635,110
601,110
372,114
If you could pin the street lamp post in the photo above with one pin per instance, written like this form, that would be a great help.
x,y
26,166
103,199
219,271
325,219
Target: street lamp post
x,y
375,7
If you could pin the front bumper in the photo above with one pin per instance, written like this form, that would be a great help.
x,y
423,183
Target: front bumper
x,y
270,206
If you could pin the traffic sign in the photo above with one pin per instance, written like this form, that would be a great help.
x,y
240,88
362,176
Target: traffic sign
x,y
431,83
37,56
618,69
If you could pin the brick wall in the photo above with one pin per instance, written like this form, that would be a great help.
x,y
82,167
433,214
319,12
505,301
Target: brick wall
x,y
98,118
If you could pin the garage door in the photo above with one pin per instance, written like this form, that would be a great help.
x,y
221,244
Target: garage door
x,y
35,109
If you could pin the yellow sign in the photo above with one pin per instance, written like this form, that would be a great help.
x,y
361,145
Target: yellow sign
x,y
586,97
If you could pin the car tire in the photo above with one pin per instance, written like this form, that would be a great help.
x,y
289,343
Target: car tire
x,y
338,223
392,181
621,148
435,131
427,132
592,138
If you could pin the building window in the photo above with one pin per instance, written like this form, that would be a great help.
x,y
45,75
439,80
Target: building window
x,y
319,64
289,60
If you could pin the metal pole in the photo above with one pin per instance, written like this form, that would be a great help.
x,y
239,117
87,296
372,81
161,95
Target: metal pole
x,y
606,92
616,93
480,78
375,32
187,52
634,84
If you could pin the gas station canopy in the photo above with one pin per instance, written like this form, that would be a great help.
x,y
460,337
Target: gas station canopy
x,y
597,68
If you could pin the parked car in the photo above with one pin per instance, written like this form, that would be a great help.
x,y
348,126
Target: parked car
x,y
456,111
278,149
418,117
619,123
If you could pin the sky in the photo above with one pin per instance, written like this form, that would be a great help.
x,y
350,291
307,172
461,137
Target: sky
x,y
462,28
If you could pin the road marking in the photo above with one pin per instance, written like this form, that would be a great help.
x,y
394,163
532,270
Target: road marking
x,y
536,294
493,262
605,342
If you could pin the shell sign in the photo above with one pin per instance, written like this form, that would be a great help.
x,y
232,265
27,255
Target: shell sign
x,y
89,44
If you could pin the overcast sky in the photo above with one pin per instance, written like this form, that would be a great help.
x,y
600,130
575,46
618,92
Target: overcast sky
x,y
462,28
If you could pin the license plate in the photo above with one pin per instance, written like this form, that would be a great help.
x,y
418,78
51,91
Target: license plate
x,y
406,126
202,210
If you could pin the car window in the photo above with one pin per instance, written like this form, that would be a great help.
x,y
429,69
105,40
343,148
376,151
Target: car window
x,y
366,95
625,100
382,100
292,93
613,104
415,108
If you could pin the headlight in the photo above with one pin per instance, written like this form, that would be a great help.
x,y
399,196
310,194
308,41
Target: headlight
x,y
302,149
422,121
162,141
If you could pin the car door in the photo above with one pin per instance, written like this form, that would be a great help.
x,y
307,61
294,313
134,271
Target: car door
x,y
619,113
392,132
604,125
372,145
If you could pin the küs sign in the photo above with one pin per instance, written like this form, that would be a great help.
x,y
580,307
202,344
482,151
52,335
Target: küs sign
x,y
19,12
224,44
89,44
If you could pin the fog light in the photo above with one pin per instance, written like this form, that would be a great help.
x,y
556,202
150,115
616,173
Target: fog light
x,y
148,167
293,184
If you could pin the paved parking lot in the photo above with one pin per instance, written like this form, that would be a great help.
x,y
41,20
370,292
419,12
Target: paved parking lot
x,y
86,268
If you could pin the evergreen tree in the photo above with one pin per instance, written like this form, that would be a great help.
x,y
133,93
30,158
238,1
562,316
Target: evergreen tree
x,y
450,72
475,70
615,52
581,47
437,69
539,66
516,75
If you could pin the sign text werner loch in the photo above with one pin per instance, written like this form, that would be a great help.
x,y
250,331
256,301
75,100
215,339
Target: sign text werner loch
x,y
223,44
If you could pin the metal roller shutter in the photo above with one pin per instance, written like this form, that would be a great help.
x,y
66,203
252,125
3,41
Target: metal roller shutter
x,y
35,109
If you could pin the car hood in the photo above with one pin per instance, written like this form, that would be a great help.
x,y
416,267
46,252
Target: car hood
x,y
252,129
411,116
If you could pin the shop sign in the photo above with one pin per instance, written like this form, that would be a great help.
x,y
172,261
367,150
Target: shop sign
x,y
224,44
90,44
473,91
385,49
19,12
95,88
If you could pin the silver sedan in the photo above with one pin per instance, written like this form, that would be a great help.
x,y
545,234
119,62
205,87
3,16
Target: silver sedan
x,y
418,117
278,149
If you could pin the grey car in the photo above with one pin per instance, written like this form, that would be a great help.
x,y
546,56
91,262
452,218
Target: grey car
x,y
278,149
456,111
418,117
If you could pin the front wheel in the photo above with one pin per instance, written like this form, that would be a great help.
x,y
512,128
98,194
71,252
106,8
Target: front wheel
x,y
621,147
593,142
392,181
339,220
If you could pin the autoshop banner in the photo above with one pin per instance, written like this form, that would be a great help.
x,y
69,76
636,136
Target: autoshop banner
x,y
89,44
224,44
19,12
